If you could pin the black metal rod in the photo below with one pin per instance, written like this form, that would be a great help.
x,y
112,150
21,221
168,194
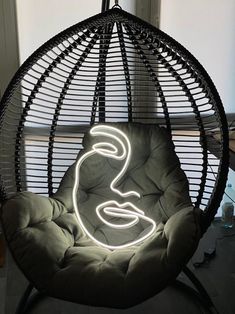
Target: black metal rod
x,y
202,291
105,5
23,301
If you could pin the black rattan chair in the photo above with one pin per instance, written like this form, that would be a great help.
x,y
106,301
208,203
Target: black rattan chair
x,y
112,67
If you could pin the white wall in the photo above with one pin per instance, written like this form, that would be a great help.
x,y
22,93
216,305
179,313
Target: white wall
x,y
207,29
38,21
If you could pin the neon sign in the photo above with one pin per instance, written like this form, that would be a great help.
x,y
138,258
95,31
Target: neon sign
x,y
112,208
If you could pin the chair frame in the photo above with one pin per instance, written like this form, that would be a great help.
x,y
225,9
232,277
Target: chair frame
x,y
205,122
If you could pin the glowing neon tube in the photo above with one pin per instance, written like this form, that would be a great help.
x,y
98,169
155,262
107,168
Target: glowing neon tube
x,y
112,208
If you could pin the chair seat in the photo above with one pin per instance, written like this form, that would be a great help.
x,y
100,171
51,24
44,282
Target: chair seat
x,y
61,260
53,254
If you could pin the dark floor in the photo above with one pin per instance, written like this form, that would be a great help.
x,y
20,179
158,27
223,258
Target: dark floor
x,y
217,276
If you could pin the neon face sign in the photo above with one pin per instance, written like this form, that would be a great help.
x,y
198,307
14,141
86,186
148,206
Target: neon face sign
x,y
127,210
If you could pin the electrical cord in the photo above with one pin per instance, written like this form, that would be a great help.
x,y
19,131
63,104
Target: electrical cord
x,y
208,256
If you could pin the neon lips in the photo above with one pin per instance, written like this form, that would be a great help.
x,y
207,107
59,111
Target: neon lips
x,y
112,208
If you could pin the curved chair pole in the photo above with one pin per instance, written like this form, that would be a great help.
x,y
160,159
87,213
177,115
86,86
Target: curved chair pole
x,y
28,300
24,299
200,291
196,297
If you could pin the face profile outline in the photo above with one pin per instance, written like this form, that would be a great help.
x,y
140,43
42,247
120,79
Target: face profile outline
x,y
112,208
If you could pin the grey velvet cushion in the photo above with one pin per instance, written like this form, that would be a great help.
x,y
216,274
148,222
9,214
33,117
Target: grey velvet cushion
x,y
59,259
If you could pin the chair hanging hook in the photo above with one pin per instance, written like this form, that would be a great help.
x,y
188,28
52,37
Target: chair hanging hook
x,y
116,4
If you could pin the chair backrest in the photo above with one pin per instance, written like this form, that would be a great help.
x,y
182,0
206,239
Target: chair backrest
x,y
125,182
112,67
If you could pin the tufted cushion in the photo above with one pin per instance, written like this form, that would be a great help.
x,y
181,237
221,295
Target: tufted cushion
x,y
60,260
154,172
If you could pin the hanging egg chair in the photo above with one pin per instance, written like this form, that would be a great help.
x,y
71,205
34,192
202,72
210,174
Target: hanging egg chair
x,y
111,76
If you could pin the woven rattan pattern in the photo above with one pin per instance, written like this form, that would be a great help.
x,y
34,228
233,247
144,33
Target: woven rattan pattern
x,y
112,67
